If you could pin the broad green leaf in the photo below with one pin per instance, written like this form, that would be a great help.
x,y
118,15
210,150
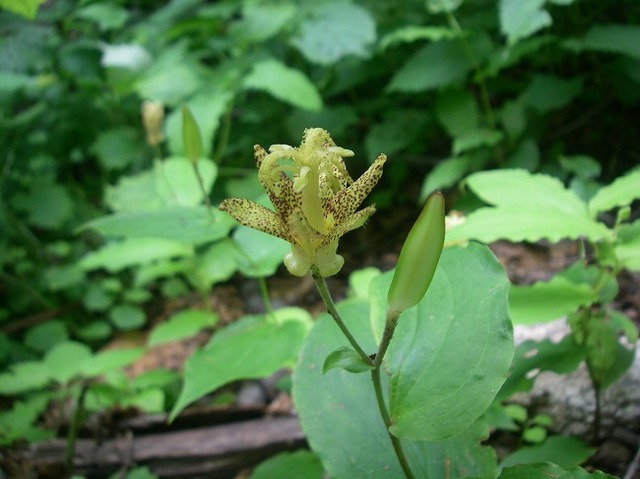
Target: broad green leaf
x,y
182,325
457,111
445,174
347,359
207,108
119,147
44,336
345,402
171,182
190,224
252,347
284,83
622,39
581,166
107,15
563,357
10,82
475,139
525,156
18,422
258,254
412,33
335,30
548,470
621,192
434,66
111,359
127,317
548,301
520,19
527,207
360,281
299,464
133,251
546,93
48,205
628,249
24,377
66,360
561,450
439,6
94,331
173,77
466,345
262,21
216,264
26,8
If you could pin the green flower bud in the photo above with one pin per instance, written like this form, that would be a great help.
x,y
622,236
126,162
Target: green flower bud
x,y
419,256
191,136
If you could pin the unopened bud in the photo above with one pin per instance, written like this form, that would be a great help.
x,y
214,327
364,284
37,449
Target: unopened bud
x,y
419,256
152,117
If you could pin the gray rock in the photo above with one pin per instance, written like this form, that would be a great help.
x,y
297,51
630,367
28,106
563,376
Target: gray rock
x,y
569,398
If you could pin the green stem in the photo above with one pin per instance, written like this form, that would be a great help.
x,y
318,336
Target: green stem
x,y
264,292
207,200
321,284
74,426
395,441
389,328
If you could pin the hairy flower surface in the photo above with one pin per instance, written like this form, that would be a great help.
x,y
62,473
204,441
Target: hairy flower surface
x,y
316,200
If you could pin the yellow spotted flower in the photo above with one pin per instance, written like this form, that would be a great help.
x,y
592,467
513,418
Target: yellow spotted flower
x,y
316,200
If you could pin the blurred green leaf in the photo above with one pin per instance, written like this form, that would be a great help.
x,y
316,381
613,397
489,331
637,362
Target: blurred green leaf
x,y
290,465
253,347
182,325
66,360
259,254
445,174
520,19
628,249
26,8
621,192
119,147
564,451
43,337
622,39
546,93
412,33
106,15
546,469
127,317
284,83
48,205
335,30
434,66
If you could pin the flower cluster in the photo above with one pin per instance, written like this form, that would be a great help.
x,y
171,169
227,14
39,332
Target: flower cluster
x,y
316,200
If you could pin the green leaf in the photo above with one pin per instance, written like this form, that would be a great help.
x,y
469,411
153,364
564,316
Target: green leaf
x,y
216,264
47,205
434,66
18,422
475,139
26,8
440,6
66,360
191,224
207,107
191,138
253,347
259,254
581,166
126,317
621,192
290,465
445,174
527,207
547,470
171,182
360,281
622,39
132,252
23,377
262,21
182,325
546,93
335,30
106,15
43,337
520,19
457,111
94,331
412,33
110,360
563,357
628,249
466,346
284,83
547,301
344,402
564,451
347,359
118,148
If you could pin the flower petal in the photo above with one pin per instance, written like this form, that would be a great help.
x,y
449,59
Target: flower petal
x,y
356,220
347,201
255,216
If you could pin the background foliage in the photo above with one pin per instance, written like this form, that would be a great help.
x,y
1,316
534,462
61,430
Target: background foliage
x,y
98,220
